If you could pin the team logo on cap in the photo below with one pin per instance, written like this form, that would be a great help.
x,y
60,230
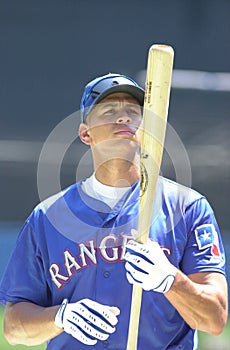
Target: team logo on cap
x,y
206,236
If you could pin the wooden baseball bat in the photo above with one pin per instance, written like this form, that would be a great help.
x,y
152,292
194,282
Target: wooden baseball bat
x,y
156,102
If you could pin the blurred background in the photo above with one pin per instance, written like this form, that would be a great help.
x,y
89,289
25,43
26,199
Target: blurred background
x,y
49,50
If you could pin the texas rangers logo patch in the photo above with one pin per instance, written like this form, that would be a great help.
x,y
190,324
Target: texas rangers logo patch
x,y
206,236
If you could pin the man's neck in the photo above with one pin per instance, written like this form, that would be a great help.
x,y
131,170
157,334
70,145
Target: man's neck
x,y
117,173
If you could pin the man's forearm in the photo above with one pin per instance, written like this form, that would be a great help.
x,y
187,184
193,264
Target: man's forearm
x,y
200,303
29,324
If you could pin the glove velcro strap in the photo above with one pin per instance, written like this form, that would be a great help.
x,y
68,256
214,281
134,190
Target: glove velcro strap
x,y
165,285
58,320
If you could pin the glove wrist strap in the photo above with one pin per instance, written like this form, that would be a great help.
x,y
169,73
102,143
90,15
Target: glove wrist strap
x,y
58,320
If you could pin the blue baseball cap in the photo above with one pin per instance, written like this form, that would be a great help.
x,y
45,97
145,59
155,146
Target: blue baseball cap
x,y
105,85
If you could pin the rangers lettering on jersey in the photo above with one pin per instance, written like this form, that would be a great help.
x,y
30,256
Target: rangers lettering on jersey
x,y
109,250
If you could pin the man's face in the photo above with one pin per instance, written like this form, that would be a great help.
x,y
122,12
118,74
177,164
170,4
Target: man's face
x,y
118,116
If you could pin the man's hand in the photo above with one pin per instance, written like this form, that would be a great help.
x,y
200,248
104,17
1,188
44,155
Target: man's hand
x,y
148,267
87,320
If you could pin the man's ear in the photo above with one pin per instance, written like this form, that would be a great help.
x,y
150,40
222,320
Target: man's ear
x,y
84,134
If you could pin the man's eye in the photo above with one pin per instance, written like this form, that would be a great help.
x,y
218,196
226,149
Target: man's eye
x,y
134,112
110,111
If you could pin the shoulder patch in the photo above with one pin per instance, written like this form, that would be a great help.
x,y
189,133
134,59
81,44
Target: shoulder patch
x,y
206,236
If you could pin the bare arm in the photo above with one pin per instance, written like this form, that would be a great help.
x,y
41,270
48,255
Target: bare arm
x,y
201,299
86,320
29,324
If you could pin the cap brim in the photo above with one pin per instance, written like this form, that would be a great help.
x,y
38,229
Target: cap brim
x,y
135,91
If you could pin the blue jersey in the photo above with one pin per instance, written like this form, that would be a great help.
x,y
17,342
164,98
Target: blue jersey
x,y
73,246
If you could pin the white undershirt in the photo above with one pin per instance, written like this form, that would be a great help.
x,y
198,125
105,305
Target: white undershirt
x,y
108,194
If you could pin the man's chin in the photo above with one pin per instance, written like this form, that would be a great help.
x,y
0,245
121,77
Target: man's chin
x,y
125,144
122,148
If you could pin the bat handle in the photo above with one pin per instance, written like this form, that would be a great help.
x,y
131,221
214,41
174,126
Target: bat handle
x,y
134,318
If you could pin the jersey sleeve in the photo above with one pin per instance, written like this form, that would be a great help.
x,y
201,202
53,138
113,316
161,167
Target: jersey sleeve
x,y
24,277
204,250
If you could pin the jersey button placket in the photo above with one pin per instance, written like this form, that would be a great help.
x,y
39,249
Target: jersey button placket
x,y
106,274
105,343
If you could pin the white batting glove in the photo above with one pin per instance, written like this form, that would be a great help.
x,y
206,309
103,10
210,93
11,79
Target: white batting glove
x,y
148,267
87,320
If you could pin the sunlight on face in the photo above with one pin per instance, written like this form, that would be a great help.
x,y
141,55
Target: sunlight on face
x,y
119,108
114,126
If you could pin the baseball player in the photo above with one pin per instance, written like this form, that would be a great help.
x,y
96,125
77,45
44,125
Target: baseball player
x,y
69,279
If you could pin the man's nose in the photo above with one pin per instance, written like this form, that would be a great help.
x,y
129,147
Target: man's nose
x,y
123,118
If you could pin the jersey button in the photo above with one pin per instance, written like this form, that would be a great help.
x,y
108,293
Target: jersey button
x,y
106,274
105,344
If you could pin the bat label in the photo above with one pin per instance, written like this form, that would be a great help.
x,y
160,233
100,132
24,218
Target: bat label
x,y
148,92
144,179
